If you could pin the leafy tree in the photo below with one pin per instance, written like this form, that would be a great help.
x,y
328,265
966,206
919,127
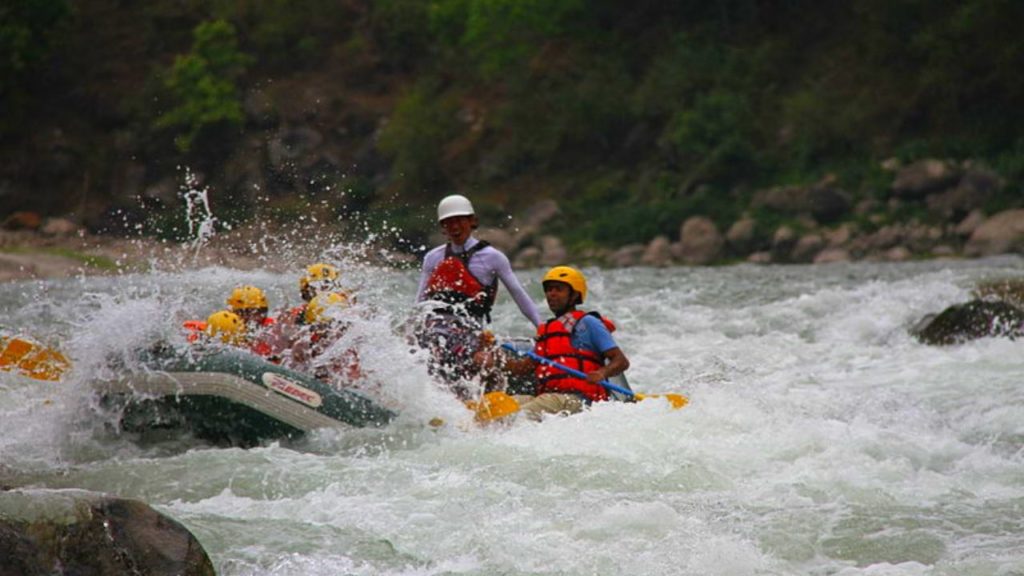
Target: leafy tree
x,y
204,84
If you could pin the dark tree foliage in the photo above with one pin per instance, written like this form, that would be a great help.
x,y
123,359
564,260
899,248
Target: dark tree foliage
x,y
647,110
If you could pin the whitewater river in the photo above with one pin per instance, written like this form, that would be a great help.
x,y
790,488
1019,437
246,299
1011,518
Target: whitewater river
x,y
821,438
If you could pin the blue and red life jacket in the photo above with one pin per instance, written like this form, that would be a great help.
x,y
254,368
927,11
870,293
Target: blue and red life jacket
x,y
554,342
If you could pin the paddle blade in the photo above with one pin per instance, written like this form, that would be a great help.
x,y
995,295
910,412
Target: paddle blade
x,y
677,401
492,406
31,359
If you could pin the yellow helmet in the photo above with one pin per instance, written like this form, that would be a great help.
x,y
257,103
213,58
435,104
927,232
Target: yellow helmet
x,y
570,276
247,298
318,306
227,325
320,273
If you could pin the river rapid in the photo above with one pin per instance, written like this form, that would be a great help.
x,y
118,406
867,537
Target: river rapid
x,y
820,439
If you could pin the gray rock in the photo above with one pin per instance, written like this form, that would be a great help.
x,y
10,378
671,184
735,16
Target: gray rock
x,y
830,255
528,257
740,235
552,252
898,254
974,189
838,237
79,532
974,319
760,258
701,241
822,200
783,241
970,223
1000,234
807,248
658,252
924,176
627,256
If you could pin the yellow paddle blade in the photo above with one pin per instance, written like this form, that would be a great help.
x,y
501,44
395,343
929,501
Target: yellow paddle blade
x,y
492,406
677,401
31,359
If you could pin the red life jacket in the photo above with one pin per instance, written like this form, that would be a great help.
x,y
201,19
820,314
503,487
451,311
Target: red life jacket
x,y
453,283
194,329
554,342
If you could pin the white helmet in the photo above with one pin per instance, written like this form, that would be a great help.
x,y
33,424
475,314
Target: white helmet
x,y
454,205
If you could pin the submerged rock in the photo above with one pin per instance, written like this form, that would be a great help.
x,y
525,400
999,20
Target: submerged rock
x,y
974,319
80,532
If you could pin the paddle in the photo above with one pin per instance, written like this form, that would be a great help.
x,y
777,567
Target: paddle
x,y
31,359
676,400
492,406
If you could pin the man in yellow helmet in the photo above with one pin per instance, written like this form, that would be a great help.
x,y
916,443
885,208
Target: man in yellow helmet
x,y
318,278
227,327
459,281
576,339
250,303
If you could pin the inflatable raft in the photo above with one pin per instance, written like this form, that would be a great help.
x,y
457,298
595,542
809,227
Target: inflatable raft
x,y
229,397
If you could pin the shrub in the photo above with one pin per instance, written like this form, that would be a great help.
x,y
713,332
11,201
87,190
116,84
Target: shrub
x,y
204,84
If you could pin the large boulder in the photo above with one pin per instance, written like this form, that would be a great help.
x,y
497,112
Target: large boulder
x,y
1000,234
923,177
974,319
740,235
658,252
80,532
824,201
700,241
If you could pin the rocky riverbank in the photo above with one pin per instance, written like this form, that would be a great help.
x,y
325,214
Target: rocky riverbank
x,y
930,209
942,203
58,248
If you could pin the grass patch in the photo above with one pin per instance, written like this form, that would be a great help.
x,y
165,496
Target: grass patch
x,y
96,262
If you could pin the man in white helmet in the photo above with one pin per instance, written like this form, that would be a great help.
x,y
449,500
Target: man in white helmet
x,y
462,277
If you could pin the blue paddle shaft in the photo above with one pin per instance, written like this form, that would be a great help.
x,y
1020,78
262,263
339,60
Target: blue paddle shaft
x,y
608,385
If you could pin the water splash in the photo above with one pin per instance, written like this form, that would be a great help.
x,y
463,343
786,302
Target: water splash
x,y
198,215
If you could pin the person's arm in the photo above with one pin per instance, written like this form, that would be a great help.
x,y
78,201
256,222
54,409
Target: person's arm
x,y
617,364
600,339
430,261
526,305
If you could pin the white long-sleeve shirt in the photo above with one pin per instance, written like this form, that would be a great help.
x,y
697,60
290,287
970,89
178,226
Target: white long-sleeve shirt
x,y
486,265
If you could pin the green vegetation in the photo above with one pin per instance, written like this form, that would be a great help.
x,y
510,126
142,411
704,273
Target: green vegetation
x,y
92,261
204,85
29,30
633,115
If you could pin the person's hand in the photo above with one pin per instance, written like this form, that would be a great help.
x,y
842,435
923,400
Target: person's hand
x,y
596,376
486,339
485,359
